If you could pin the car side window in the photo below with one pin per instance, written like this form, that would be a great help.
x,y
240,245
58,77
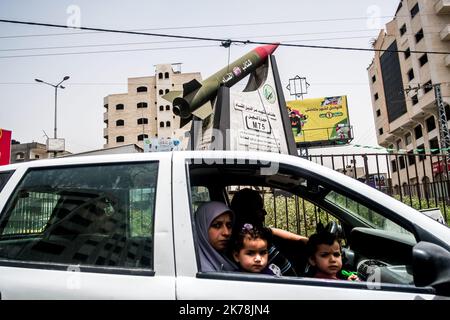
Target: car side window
x,y
4,177
199,195
96,215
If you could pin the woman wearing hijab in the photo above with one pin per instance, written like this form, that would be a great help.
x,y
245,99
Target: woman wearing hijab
x,y
214,223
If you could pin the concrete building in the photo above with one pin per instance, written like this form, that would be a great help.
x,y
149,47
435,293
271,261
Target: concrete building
x,y
142,112
21,152
408,119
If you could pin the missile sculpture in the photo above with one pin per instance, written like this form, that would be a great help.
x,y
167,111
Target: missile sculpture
x,y
195,99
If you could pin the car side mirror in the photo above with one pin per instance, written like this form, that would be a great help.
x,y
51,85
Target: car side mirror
x,y
431,267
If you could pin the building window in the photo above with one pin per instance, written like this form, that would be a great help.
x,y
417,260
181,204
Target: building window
x,y
411,158
380,131
403,29
398,144
120,106
401,161
20,156
376,96
167,107
408,139
168,124
106,106
447,111
161,92
418,132
120,139
414,10
427,87
166,75
160,75
36,156
120,123
420,151
142,105
161,124
434,145
431,124
419,35
423,59
161,108
141,89
378,112
414,99
142,121
394,165
407,53
374,79
167,90
141,137
410,74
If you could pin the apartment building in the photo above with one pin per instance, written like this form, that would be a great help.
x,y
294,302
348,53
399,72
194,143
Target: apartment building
x,y
142,113
406,117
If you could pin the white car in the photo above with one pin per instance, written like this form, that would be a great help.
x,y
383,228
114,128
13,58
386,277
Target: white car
x,y
121,227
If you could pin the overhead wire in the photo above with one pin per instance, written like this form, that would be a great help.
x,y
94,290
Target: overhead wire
x,y
264,23
216,39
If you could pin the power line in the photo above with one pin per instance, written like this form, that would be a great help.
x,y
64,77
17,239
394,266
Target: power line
x,y
156,42
199,26
214,39
104,51
224,25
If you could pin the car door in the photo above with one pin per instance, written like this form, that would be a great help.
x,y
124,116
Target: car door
x,y
88,228
192,284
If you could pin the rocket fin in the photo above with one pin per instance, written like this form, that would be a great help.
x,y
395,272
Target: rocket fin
x,y
204,111
191,86
171,95
185,121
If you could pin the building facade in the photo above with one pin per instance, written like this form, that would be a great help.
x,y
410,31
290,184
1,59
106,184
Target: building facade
x,y
401,84
142,113
21,152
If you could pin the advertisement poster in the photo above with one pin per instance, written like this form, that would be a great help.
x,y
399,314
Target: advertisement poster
x,y
323,120
5,146
255,118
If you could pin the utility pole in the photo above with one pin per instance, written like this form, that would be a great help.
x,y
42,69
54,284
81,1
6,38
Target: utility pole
x,y
443,126
298,86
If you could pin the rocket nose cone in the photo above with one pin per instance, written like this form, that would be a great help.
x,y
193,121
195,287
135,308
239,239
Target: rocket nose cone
x,y
265,51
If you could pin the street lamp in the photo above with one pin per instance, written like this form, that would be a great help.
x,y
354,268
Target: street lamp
x,y
56,86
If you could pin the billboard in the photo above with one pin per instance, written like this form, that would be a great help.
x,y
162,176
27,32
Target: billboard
x,y
5,146
320,121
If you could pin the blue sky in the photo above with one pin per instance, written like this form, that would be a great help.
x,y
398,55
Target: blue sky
x,y
27,108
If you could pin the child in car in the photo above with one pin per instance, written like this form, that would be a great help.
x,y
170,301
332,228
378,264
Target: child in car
x,y
250,250
325,257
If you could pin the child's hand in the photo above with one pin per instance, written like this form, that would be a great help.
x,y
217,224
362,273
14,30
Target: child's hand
x,y
353,277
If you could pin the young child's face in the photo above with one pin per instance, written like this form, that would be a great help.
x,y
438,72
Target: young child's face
x,y
253,256
327,259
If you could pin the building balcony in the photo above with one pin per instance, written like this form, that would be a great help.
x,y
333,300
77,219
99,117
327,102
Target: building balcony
x,y
445,33
105,132
428,103
442,7
105,117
